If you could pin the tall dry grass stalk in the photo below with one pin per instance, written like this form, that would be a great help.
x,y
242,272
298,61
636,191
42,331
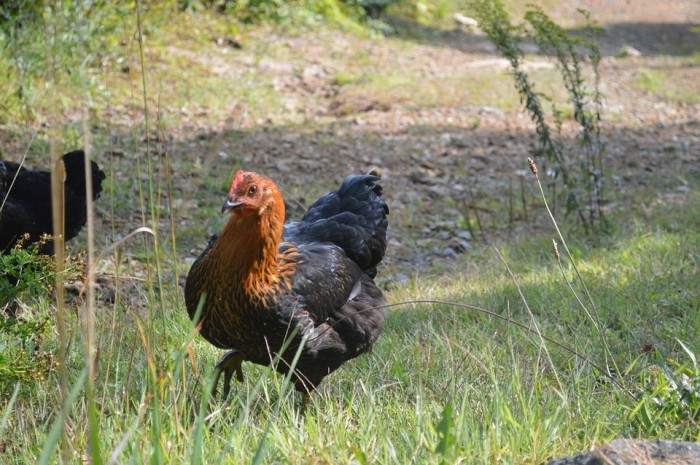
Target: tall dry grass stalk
x,y
52,29
592,313
89,308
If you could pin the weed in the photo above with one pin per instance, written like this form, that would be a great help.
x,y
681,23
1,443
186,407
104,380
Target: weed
x,y
670,400
23,273
581,174
650,80
20,356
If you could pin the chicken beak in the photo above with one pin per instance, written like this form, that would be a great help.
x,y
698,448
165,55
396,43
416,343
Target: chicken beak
x,y
230,204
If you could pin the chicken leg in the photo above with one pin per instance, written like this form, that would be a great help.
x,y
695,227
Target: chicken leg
x,y
227,365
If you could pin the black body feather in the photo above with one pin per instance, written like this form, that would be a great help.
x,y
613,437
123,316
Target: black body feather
x,y
354,218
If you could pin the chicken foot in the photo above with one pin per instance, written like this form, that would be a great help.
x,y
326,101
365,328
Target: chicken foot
x,y
227,365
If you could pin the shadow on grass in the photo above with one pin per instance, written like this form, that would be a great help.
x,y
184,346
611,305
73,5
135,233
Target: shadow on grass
x,y
673,39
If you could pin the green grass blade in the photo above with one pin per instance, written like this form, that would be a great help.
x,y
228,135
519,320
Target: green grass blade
x,y
93,415
690,354
56,431
260,451
8,410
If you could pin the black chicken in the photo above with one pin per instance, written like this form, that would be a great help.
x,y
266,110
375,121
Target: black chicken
x,y
25,201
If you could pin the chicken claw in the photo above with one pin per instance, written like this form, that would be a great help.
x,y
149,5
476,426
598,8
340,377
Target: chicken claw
x,y
227,365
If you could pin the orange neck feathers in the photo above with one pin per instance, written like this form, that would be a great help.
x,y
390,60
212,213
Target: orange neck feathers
x,y
248,245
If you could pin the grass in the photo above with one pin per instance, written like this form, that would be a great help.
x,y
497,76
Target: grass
x,y
444,384
667,83
438,372
259,71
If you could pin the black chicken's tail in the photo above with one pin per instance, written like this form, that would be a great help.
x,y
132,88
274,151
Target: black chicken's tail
x,y
76,193
75,174
354,218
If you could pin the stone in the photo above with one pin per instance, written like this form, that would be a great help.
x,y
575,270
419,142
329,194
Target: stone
x,y
638,452
465,21
629,51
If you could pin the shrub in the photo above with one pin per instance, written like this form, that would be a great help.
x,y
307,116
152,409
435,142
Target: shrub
x,y
579,166
23,273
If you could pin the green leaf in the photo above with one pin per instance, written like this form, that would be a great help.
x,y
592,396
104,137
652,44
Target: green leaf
x,y
690,354
58,426
445,430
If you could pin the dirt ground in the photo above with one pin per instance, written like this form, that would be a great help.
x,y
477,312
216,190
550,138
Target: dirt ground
x,y
443,163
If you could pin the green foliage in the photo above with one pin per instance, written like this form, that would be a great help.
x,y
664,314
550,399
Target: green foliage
x,y
347,14
27,275
245,10
337,12
580,168
85,40
445,430
17,14
24,272
650,80
20,357
372,8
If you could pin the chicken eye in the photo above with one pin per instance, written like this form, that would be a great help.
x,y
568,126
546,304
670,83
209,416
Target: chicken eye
x,y
252,190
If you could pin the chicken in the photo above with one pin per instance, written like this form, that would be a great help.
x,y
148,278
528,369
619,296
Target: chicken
x,y
268,288
25,201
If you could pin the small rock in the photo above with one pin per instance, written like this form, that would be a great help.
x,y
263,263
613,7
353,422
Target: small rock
x,y
492,111
628,51
420,177
466,235
638,452
459,142
448,252
465,21
459,245
232,42
313,72
443,235
439,191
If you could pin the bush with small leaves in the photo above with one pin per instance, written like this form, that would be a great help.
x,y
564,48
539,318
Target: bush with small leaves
x,y
20,356
578,166
26,274
23,271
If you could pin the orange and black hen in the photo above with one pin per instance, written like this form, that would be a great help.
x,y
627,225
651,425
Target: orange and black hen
x,y
25,200
270,289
